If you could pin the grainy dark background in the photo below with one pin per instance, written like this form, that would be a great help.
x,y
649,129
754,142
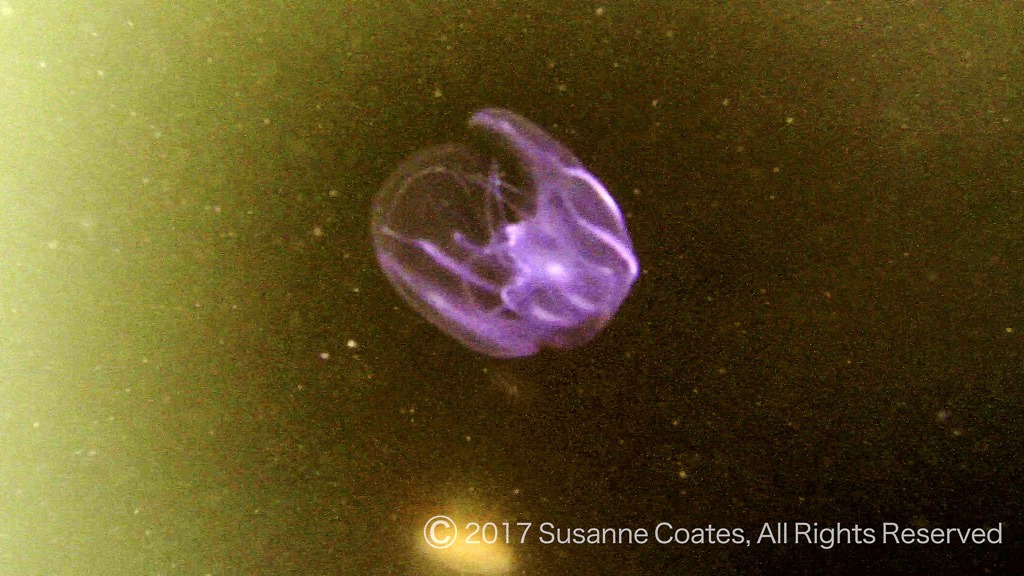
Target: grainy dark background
x,y
827,200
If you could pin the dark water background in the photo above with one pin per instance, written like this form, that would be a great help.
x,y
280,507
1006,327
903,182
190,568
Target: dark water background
x,y
827,200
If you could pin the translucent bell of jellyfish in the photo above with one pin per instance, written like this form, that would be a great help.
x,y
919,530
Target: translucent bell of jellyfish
x,y
508,249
